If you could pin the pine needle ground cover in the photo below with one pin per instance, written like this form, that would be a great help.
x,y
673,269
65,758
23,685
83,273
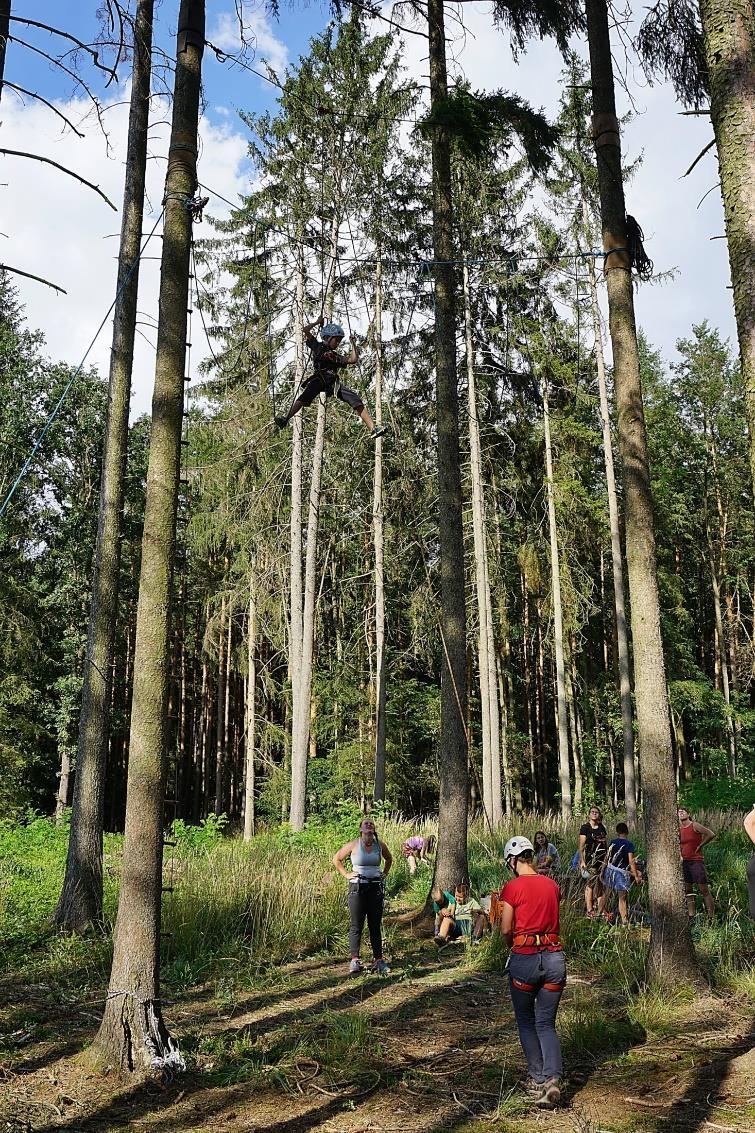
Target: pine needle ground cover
x,y
278,1039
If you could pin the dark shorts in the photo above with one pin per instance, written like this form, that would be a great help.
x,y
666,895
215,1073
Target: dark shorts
x,y
317,385
694,873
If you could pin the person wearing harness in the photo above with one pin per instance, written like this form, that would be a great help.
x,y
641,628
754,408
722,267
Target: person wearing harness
x,y
366,891
529,919
621,866
327,364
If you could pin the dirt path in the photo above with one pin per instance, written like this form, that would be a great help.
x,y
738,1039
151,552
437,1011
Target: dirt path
x,y
431,1048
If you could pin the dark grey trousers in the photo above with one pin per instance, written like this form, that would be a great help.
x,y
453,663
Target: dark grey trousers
x,y
535,1010
366,901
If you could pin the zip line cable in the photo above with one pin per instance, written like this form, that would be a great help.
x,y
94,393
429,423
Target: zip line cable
x,y
69,384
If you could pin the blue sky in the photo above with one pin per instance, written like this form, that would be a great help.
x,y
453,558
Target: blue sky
x,y
57,229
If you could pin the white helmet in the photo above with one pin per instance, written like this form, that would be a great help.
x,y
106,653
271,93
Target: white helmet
x,y
516,846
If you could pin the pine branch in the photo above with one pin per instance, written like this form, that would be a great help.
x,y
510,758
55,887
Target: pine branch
x,y
33,94
30,275
94,55
49,161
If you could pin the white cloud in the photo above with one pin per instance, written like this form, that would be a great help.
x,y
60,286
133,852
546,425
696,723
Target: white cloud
x,y
258,34
59,229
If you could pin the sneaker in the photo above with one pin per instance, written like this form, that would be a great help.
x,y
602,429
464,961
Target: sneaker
x,y
380,968
551,1094
355,967
379,431
476,940
439,940
281,422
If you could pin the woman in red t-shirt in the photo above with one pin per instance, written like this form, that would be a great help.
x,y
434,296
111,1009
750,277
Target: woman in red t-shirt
x,y
528,915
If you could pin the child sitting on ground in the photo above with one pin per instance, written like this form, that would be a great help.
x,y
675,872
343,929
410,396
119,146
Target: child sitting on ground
x,y
461,915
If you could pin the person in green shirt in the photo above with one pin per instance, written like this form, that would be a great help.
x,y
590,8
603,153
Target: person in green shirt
x,y
458,915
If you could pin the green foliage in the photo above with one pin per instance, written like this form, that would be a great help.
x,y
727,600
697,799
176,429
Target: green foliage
x,y
203,837
478,123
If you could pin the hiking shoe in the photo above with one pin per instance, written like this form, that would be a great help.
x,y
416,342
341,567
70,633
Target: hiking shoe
x,y
281,422
551,1094
533,1089
439,940
355,967
379,431
476,940
380,968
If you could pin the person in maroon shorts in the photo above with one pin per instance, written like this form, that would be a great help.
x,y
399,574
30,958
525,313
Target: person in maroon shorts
x,y
529,919
692,837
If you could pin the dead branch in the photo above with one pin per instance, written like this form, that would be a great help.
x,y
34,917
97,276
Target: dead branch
x,y
700,156
62,168
57,63
94,55
30,275
33,94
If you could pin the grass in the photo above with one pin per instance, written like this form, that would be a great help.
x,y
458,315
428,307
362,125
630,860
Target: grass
x,y
238,911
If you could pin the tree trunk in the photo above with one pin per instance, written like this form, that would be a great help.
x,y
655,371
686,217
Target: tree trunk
x,y
729,37
558,617
132,1035
251,715
296,549
625,688
5,9
491,756
302,719
671,957
378,541
220,708
80,902
451,862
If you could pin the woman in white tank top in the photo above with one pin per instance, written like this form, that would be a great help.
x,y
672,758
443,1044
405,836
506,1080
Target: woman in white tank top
x,y
366,877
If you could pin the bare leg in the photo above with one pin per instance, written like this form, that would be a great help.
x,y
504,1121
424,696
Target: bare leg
x,y
411,861
690,895
707,897
365,417
623,908
588,898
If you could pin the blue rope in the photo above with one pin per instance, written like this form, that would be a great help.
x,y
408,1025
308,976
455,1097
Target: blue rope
x,y
51,419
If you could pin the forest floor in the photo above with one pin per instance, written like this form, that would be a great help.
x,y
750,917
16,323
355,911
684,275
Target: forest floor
x,y
431,1047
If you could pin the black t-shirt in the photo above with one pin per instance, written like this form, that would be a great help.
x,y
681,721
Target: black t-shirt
x,y
618,852
597,841
327,362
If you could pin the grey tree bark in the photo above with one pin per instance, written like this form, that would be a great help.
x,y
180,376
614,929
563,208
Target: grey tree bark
x,y
296,549
558,616
251,706
303,718
491,753
451,862
671,957
622,644
80,902
729,36
5,10
378,545
133,1035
